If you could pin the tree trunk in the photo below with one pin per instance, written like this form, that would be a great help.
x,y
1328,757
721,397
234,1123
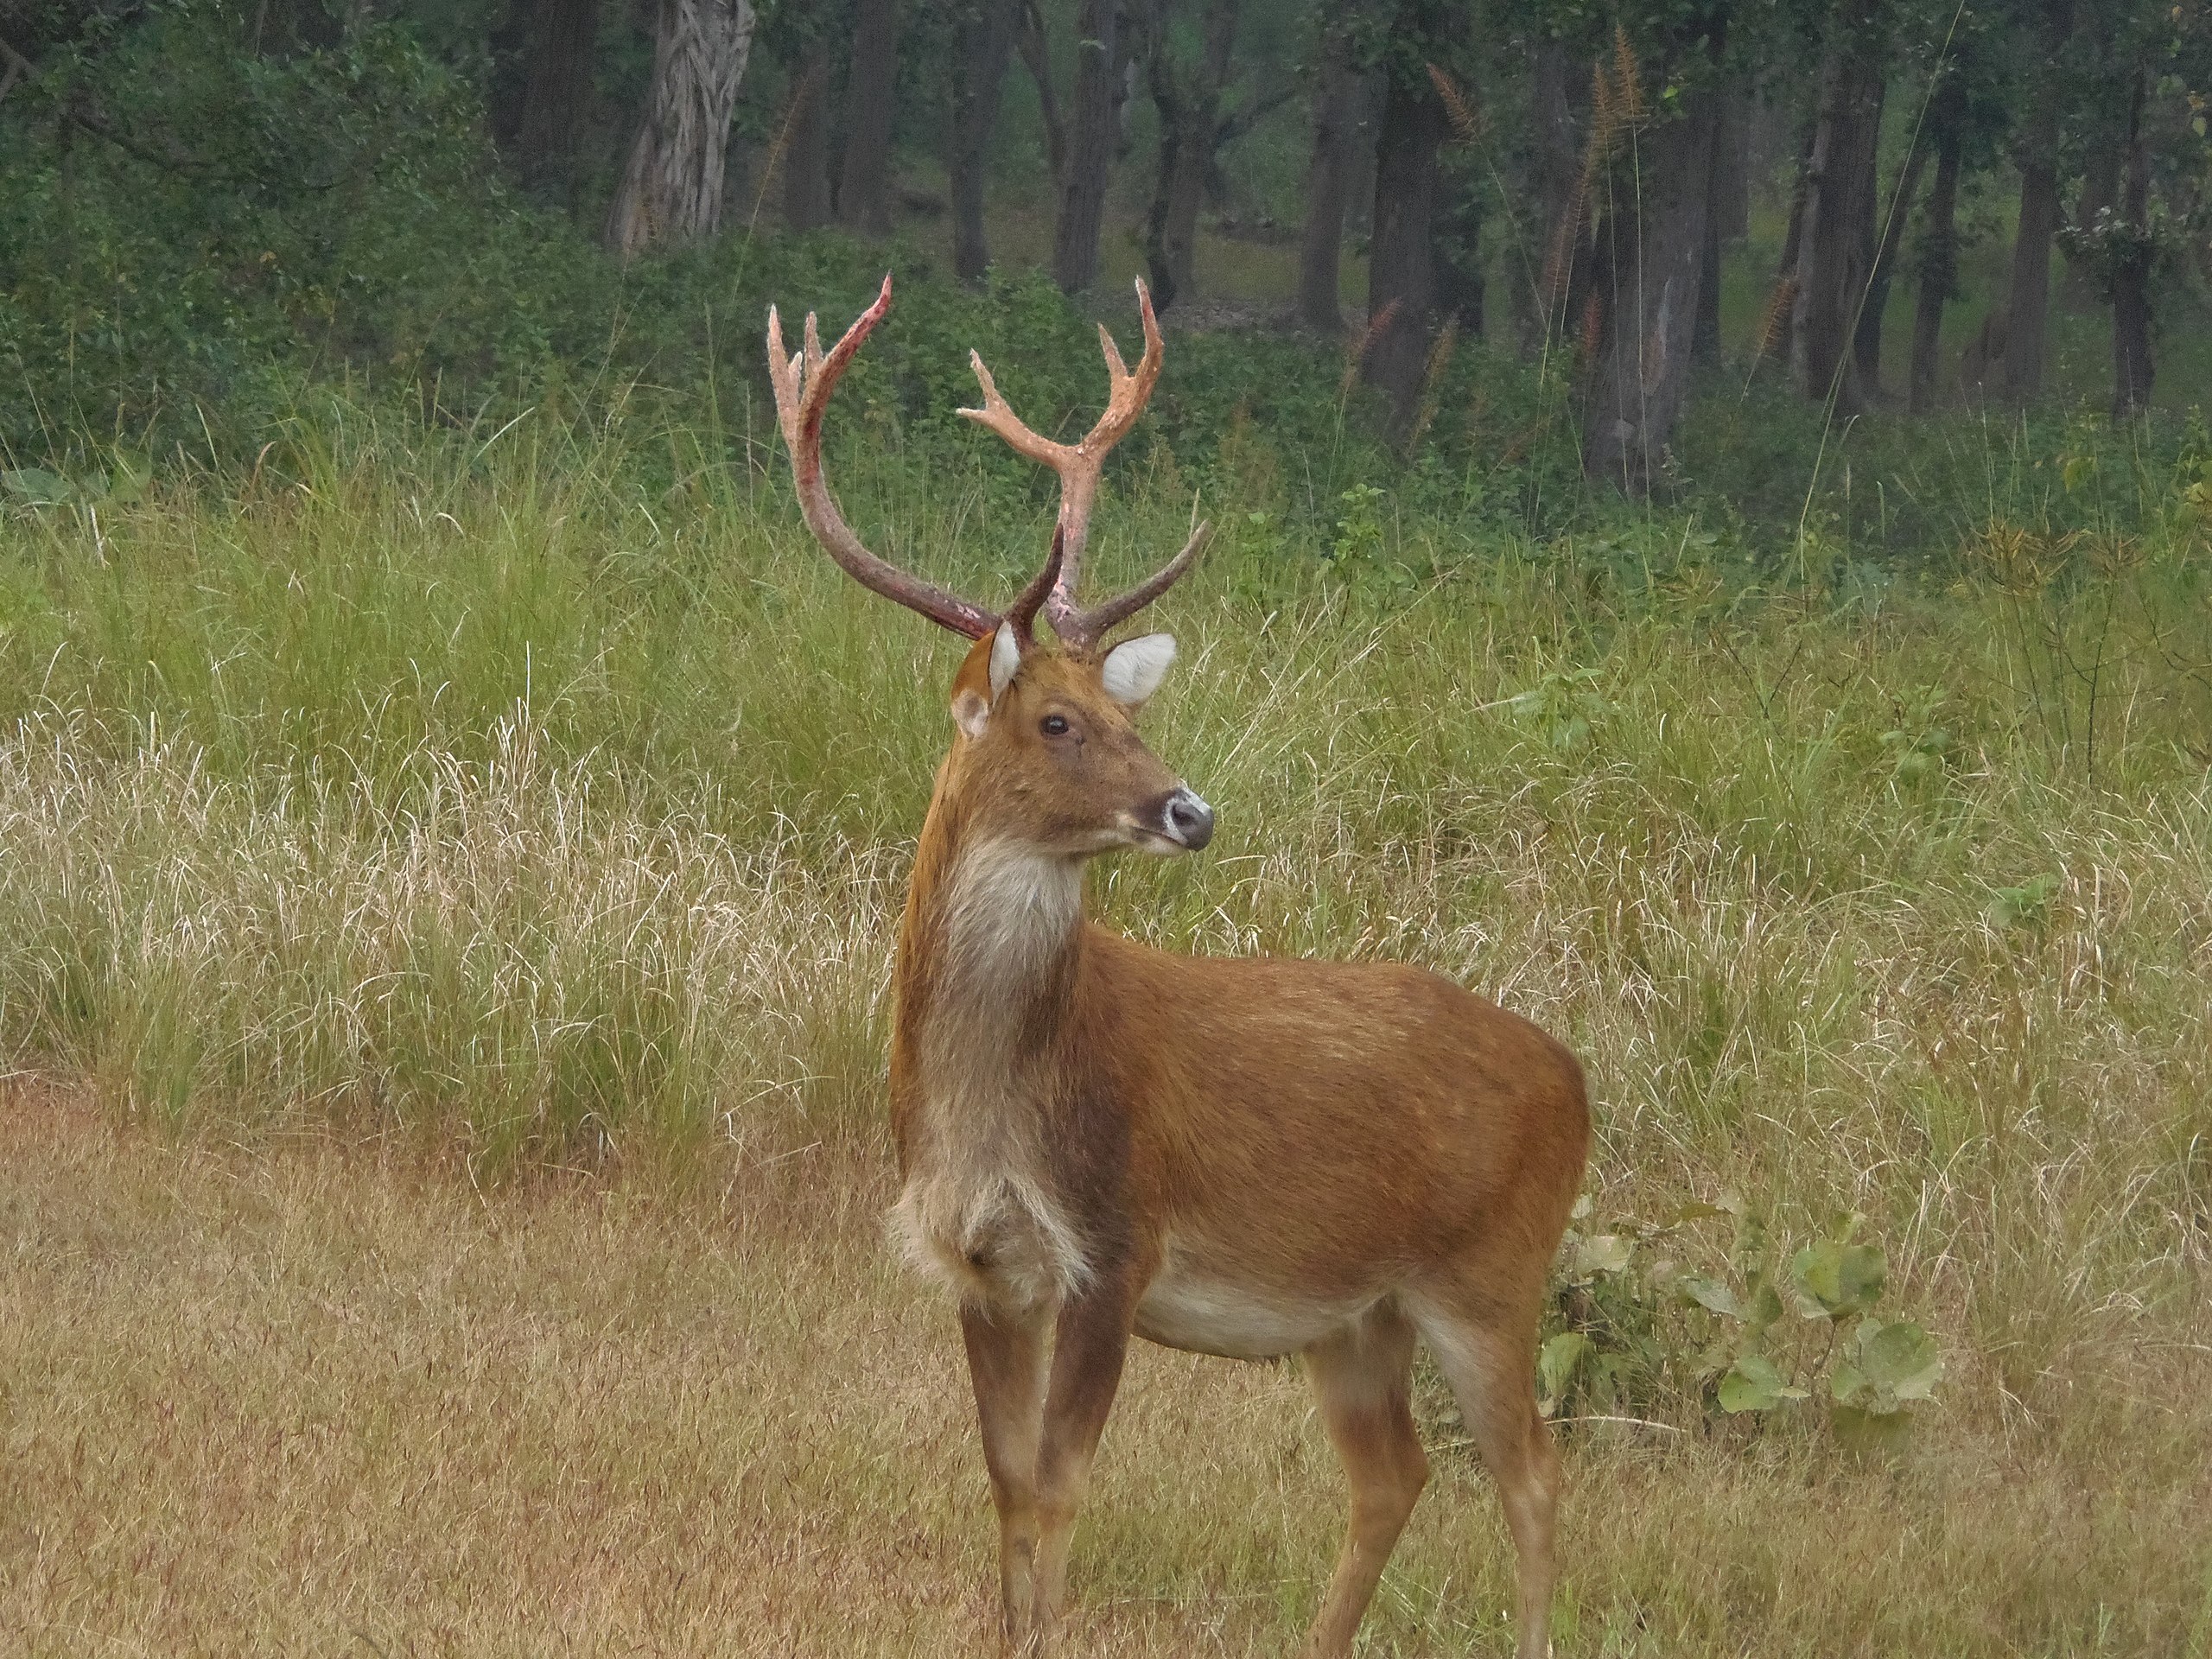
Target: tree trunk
x,y
1939,245
986,36
1457,242
2129,243
2029,306
1777,326
864,185
673,188
1727,214
1835,247
1328,183
1648,263
1401,254
1036,57
2101,188
557,86
1866,338
1553,171
1189,116
1732,166
806,150
1090,139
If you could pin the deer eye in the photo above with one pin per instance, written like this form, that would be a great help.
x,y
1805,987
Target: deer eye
x,y
1054,726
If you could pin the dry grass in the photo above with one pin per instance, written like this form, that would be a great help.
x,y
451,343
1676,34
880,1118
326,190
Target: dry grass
x,y
320,1400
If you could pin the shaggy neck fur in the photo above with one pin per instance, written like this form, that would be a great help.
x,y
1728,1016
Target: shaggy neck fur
x,y
987,961
992,930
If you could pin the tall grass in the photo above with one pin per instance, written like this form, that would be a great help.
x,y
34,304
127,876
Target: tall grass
x,y
433,787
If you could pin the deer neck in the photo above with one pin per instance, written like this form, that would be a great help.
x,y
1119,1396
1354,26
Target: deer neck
x,y
992,934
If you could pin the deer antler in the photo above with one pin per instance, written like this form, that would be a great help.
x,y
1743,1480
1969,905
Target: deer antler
x,y
1079,466
804,383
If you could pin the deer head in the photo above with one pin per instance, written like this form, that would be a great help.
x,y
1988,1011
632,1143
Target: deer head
x,y
1046,752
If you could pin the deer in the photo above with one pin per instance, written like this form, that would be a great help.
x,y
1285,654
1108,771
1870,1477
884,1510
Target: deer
x,y
1249,1157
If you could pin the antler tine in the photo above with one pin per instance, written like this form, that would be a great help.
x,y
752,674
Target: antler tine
x,y
1130,392
1087,627
1022,613
1079,464
803,383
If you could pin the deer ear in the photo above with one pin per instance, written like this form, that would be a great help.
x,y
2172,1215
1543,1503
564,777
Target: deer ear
x,y
1006,658
1133,668
971,709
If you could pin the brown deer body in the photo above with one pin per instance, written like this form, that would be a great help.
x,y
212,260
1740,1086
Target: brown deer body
x,y
1245,1157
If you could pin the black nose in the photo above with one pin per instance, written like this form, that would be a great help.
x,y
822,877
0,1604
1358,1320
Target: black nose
x,y
1190,820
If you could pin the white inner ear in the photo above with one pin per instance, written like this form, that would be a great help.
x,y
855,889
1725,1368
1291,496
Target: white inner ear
x,y
970,713
1133,668
1006,657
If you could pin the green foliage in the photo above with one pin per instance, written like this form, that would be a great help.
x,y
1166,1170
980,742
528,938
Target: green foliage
x,y
1561,708
1641,1332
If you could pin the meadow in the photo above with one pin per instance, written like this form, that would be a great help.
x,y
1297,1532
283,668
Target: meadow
x,y
447,886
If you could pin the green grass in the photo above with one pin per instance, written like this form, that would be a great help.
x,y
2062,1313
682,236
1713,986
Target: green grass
x,y
487,799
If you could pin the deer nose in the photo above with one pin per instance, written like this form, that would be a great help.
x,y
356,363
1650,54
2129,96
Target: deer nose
x,y
1190,820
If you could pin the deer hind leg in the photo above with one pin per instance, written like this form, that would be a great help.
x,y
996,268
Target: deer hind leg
x,y
1006,1362
1488,1358
1362,1380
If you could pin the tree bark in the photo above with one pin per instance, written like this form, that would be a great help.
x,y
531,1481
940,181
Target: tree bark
x,y
1866,338
1553,171
1647,270
1458,241
806,151
673,188
864,185
557,86
1727,214
2131,253
1337,103
1778,324
984,40
2029,306
1836,234
1190,114
1092,131
2101,189
1939,249
1036,57
1401,254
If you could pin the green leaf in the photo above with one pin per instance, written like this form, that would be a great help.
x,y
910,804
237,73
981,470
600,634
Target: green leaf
x,y
1886,1364
1753,1384
37,486
1712,1294
1765,1308
1557,1361
1835,1280
1606,1253
2019,906
1694,1211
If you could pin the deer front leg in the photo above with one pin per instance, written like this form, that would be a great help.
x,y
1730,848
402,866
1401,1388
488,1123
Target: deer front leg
x,y
1087,1349
1006,1362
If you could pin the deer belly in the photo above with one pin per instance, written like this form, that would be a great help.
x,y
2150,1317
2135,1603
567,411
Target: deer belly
x,y
1212,1316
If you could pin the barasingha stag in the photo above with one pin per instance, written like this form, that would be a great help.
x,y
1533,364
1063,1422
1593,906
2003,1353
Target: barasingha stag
x,y
1245,1157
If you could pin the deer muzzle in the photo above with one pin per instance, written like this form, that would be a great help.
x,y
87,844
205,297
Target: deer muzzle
x,y
1186,820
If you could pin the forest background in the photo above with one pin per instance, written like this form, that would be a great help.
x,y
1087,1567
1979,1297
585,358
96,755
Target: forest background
x,y
1713,549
